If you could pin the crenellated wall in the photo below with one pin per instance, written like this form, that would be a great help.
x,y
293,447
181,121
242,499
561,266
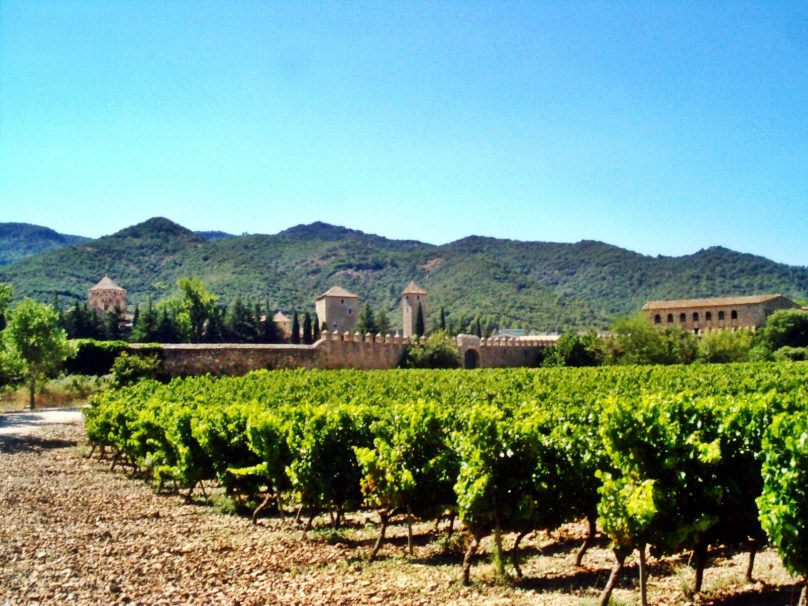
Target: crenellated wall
x,y
501,352
335,351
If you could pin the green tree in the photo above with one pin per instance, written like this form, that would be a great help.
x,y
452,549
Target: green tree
x,y
437,351
6,292
240,323
195,307
442,319
382,322
144,326
270,331
420,324
308,335
295,338
112,324
366,322
167,330
722,346
216,331
576,350
637,341
33,336
785,328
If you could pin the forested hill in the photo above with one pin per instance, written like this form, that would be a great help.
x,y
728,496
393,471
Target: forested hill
x,y
21,240
536,285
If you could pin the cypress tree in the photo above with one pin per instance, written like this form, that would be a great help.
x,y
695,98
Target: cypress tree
x,y
420,328
167,328
144,326
442,319
240,324
307,332
295,338
258,328
270,334
216,331
478,329
112,324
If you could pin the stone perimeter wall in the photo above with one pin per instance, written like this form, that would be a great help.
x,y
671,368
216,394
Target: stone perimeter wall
x,y
335,351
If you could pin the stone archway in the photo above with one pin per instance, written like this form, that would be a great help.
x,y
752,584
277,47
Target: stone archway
x,y
471,358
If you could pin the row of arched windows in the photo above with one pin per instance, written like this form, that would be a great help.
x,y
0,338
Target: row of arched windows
x,y
708,317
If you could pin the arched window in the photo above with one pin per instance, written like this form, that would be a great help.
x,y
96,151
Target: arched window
x,y
683,317
657,319
734,314
670,318
695,316
720,316
708,316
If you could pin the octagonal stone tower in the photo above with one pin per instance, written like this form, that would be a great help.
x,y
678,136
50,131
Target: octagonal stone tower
x,y
106,296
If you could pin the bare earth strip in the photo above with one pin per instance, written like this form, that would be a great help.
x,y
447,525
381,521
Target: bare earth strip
x,y
73,532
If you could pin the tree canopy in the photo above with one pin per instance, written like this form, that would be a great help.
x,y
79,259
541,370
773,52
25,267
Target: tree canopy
x,y
35,341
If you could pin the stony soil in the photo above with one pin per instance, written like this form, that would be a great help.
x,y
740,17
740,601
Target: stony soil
x,y
73,532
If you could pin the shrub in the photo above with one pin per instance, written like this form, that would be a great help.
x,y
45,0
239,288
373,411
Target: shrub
x,y
576,350
724,346
437,351
129,368
791,354
94,357
785,327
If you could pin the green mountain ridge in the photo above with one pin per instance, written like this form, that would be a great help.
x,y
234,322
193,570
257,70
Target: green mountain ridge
x,y
535,285
21,240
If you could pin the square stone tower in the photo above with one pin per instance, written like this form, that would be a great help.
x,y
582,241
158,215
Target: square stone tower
x,y
412,299
337,308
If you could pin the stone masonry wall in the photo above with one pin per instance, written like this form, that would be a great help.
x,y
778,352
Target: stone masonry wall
x,y
335,351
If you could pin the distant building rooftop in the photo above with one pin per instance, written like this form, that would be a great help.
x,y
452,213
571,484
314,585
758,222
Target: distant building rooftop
x,y
717,301
414,289
106,283
511,332
338,291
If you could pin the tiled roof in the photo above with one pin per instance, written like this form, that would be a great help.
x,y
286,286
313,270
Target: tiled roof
x,y
338,291
106,283
414,289
715,302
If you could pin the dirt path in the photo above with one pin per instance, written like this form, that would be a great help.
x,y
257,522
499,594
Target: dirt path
x,y
72,532
19,424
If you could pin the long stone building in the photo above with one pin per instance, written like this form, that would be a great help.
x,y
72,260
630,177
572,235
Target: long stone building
x,y
730,313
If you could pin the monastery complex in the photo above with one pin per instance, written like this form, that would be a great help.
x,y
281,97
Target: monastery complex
x,y
341,347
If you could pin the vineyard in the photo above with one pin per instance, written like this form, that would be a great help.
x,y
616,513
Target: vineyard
x,y
659,459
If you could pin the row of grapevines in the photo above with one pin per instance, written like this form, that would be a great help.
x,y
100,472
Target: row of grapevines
x,y
668,457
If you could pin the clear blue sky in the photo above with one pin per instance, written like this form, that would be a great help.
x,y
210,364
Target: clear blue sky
x,y
663,127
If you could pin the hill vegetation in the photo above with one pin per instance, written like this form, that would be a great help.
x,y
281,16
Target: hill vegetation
x,y
533,285
21,240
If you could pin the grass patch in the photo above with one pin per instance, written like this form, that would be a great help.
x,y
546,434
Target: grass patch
x,y
61,392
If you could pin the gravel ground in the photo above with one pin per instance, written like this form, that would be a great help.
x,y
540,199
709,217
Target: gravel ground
x,y
73,532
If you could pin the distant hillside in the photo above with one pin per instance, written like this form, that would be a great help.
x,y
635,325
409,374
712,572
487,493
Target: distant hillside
x,y
213,235
21,240
535,285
